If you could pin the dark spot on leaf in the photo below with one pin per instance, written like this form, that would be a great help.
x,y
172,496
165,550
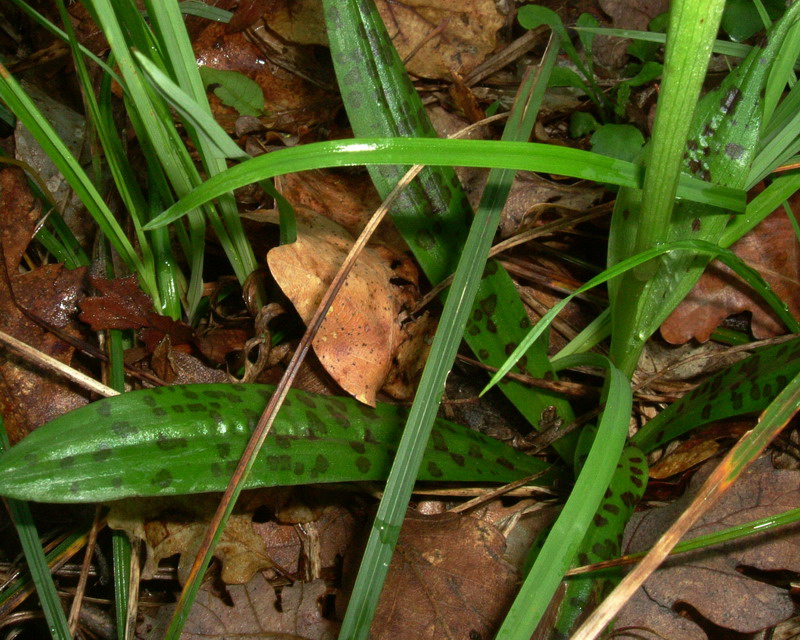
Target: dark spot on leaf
x,y
438,440
166,443
357,446
102,454
282,441
307,400
755,392
103,409
74,487
251,416
363,464
434,470
116,482
196,407
178,408
316,427
696,225
159,412
149,400
504,462
734,151
425,239
299,468
458,459
279,463
321,465
67,461
628,498
162,479
216,469
123,428
483,354
611,508
369,437
599,521
475,451
223,450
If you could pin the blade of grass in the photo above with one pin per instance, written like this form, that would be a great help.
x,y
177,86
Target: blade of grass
x,y
520,156
385,529
747,273
761,206
563,541
37,563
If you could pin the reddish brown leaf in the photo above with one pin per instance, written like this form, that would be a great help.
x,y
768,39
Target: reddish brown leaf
x,y
291,102
771,248
123,305
30,396
448,579
714,582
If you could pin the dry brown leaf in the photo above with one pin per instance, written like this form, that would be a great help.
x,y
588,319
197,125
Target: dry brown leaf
x,y
361,333
291,103
771,248
256,612
448,579
713,582
170,526
29,396
335,528
468,34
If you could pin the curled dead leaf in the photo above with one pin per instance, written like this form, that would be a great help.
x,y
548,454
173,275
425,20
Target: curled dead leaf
x,y
361,333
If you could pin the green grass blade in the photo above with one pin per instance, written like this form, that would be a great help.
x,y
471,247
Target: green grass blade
x,y
37,563
465,153
748,274
761,206
458,304
575,518
722,47
693,26
14,96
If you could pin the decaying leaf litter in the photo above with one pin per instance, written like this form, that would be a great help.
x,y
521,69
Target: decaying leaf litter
x,y
300,105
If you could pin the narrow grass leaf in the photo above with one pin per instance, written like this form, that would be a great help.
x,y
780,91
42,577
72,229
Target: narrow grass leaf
x,y
458,304
36,560
575,518
491,154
